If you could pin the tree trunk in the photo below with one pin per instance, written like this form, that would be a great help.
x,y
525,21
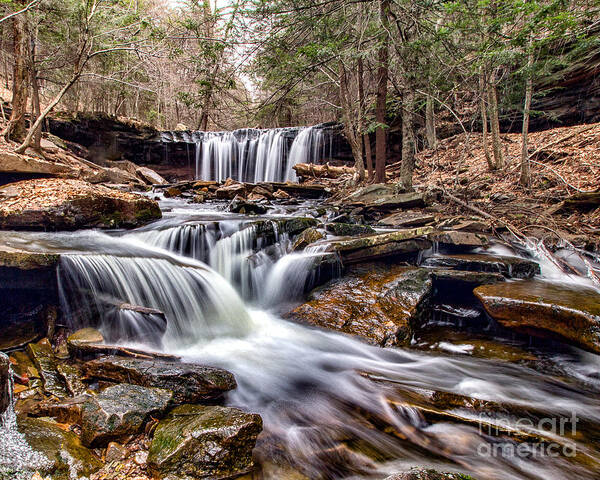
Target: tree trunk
x,y
380,108
351,133
369,156
430,123
16,129
484,120
495,124
35,95
38,123
361,125
408,140
525,175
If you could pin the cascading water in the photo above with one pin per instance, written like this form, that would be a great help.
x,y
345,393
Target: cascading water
x,y
17,459
254,155
320,392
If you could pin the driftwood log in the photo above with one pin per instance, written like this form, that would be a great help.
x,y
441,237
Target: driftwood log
x,y
321,171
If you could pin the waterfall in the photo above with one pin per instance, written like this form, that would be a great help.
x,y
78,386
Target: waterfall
x,y
255,155
199,305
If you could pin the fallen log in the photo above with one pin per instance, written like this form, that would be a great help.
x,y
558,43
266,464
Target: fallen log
x,y
323,171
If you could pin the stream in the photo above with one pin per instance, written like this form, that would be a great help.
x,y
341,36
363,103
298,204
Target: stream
x,y
332,406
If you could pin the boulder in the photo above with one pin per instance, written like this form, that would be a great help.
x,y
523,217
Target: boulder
x,y
197,441
281,195
150,176
547,309
15,163
119,411
188,382
511,267
381,305
229,192
398,201
63,204
43,357
5,393
308,236
407,219
65,456
348,229
239,205
263,192
456,240
170,192
379,245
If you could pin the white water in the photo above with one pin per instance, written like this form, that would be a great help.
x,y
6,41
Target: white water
x,y
310,386
253,155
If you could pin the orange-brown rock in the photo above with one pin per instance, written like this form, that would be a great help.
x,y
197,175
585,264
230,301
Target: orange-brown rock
x,y
537,307
66,204
381,305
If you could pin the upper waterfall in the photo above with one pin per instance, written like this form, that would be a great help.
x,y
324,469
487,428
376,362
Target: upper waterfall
x,y
256,155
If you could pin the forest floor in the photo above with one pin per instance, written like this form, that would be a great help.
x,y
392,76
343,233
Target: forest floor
x,y
564,162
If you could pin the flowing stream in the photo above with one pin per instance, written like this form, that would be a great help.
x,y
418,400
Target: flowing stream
x,y
332,405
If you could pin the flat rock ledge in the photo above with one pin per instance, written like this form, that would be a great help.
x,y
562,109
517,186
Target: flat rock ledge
x,y
546,309
67,204
189,382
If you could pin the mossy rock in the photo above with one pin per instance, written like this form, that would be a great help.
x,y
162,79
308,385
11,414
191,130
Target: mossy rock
x,y
68,458
195,442
120,411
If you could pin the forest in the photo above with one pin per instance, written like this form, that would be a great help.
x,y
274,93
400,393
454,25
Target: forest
x,y
299,239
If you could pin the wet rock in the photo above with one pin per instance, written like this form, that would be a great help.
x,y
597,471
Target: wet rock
x,y
79,343
254,197
239,205
71,375
172,192
115,452
66,411
459,240
14,258
369,247
21,331
120,411
512,267
45,361
381,305
24,367
263,192
538,308
229,192
67,458
308,236
348,229
188,382
407,219
428,474
150,176
204,442
5,393
62,204
281,195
